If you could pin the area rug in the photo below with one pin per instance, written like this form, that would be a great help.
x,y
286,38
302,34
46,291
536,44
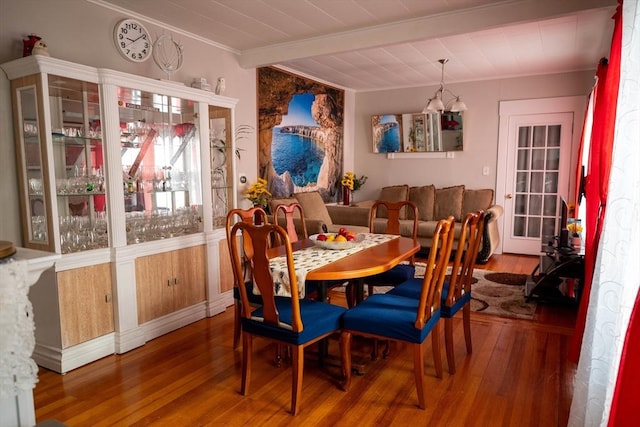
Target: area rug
x,y
500,294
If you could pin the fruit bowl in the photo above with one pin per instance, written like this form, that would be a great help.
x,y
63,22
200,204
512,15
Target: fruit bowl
x,y
333,245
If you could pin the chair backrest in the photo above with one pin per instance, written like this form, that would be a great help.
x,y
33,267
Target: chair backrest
x,y
291,211
435,271
248,216
466,255
394,211
260,238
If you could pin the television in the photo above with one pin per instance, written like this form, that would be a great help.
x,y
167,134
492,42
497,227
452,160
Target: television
x,y
563,231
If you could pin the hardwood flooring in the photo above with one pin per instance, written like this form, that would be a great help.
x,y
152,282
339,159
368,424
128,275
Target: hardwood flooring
x,y
517,375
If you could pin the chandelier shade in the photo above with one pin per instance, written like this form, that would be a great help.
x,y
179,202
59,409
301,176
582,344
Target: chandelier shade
x,y
436,103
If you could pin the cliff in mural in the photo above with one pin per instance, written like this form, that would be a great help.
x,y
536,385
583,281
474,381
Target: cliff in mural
x,y
275,91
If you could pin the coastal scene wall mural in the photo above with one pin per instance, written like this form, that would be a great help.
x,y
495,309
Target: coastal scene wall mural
x,y
300,134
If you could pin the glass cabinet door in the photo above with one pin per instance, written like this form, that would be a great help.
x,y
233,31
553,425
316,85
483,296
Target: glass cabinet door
x,y
61,163
160,159
30,158
221,152
78,163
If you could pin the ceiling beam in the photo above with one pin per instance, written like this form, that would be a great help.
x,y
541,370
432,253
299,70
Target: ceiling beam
x,y
421,28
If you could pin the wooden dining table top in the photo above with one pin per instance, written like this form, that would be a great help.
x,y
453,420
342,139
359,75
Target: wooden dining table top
x,y
372,260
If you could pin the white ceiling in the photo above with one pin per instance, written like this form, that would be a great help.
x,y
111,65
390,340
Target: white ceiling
x,y
380,44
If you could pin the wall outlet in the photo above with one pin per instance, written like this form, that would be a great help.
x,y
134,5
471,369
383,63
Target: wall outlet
x,y
485,170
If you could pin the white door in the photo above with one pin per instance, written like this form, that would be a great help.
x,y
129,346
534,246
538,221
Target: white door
x,y
534,169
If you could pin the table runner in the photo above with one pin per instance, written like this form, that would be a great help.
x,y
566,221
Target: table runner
x,y
308,259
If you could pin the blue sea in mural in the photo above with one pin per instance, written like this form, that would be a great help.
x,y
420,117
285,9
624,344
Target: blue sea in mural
x,y
302,157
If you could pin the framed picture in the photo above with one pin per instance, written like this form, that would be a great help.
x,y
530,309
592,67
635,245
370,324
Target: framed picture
x,y
300,134
416,132
387,133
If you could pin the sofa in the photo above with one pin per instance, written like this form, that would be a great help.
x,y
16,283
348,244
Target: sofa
x,y
433,204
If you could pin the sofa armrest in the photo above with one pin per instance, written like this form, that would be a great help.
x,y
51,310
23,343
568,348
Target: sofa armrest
x,y
491,234
349,215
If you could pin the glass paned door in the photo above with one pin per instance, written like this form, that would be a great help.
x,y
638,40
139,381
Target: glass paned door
x,y
537,185
537,166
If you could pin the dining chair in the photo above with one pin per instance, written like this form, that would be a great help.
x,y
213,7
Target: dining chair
x,y
456,292
410,320
385,217
290,321
291,213
251,215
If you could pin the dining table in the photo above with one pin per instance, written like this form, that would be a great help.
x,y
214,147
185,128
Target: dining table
x,y
381,254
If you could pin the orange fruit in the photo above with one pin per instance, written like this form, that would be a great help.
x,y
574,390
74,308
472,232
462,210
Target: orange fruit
x,y
340,238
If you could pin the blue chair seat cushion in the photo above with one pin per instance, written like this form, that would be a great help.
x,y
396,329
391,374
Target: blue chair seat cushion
x,y
398,274
318,318
412,288
389,316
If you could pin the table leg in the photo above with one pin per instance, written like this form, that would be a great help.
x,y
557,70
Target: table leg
x,y
321,290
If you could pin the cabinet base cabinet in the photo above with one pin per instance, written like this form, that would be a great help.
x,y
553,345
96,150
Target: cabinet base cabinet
x,y
73,316
170,281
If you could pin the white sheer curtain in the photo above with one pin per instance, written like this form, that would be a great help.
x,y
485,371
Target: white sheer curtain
x,y
617,269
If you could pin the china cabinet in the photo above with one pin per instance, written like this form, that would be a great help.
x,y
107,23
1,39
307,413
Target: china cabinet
x,y
126,178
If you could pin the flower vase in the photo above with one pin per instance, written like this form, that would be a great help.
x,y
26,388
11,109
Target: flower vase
x,y
577,242
346,196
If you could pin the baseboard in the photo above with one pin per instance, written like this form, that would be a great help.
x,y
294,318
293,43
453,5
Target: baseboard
x,y
68,359
163,325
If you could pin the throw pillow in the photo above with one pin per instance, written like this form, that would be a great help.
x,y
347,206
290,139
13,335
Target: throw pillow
x,y
449,202
313,206
394,193
475,200
424,197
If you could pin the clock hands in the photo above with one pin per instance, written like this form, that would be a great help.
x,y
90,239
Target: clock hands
x,y
133,41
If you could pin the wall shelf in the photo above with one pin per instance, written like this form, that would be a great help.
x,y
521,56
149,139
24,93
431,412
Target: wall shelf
x,y
425,155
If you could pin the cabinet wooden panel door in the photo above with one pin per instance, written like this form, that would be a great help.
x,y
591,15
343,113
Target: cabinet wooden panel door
x,y
169,281
226,270
86,307
189,276
154,287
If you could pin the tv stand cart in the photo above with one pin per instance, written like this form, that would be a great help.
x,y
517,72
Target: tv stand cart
x,y
558,277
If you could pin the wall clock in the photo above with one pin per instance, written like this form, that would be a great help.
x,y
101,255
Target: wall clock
x,y
132,40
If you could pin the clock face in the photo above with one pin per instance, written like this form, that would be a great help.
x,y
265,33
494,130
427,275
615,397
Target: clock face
x,y
132,40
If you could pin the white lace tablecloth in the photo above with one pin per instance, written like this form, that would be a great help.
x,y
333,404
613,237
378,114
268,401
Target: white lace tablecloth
x,y
308,259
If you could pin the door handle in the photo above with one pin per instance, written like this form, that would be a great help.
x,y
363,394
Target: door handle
x,y
508,196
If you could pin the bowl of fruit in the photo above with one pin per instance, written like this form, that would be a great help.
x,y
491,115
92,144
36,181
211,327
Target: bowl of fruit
x,y
343,239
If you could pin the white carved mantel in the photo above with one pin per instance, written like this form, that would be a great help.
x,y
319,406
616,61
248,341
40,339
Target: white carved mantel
x,y
18,371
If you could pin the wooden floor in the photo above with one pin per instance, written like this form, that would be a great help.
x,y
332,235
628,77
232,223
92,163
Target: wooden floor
x,y
518,375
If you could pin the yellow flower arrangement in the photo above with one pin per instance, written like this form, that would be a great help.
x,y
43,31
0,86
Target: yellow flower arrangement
x,y
258,193
575,228
352,182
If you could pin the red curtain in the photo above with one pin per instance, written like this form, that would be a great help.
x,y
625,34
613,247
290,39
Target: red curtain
x,y
624,405
599,165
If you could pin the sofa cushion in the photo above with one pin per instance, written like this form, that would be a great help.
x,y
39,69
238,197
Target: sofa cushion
x,y
394,193
313,206
475,200
449,202
424,197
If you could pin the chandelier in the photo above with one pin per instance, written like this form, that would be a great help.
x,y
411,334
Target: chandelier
x,y
437,104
